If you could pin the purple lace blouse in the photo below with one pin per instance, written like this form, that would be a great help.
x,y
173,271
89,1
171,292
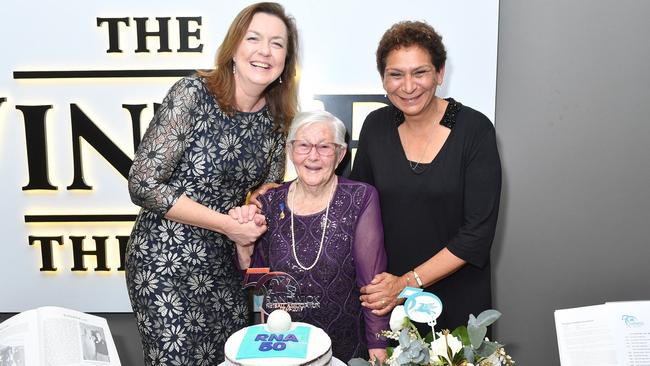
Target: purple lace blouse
x,y
352,253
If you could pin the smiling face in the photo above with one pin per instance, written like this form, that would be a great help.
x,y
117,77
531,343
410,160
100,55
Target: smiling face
x,y
260,56
410,80
313,168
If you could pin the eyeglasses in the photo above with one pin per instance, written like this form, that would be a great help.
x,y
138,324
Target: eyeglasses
x,y
303,147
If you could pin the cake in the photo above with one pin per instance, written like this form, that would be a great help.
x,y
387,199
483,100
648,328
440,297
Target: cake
x,y
280,343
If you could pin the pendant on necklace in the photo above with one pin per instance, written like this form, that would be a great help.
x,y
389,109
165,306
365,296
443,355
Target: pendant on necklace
x,y
414,167
281,210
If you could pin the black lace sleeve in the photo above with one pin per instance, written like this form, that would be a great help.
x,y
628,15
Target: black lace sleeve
x,y
162,148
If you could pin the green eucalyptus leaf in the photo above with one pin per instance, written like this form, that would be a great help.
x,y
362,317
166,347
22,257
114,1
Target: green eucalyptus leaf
x,y
469,353
358,362
476,334
487,348
488,317
403,359
404,338
461,333
418,358
472,320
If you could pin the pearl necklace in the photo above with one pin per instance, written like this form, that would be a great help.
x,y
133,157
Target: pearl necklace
x,y
322,238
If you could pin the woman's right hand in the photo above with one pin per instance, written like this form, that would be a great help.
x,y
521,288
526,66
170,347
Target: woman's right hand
x,y
381,293
377,354
245,233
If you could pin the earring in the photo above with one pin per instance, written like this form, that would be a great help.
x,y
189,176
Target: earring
x,y
233,67
280,79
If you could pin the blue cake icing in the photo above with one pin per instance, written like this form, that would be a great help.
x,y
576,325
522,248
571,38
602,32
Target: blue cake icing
x,y
258,342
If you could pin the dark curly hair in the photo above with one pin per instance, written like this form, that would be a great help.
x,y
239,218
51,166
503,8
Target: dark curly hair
x,y
411,33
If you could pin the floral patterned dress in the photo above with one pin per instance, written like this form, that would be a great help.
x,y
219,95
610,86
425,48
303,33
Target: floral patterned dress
x,y
184,286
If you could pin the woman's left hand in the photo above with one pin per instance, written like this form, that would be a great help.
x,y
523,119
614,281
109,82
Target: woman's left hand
x,y
260,191
381,294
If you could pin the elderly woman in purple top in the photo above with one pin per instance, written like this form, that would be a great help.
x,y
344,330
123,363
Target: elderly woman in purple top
x,y
326,232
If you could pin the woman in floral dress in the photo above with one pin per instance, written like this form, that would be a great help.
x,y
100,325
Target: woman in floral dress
x,y
216,136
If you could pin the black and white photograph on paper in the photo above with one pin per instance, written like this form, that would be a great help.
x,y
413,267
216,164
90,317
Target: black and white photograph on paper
x,y
93,343
12,355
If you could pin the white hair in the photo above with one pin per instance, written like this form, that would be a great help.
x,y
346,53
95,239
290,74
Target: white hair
x,y
309,118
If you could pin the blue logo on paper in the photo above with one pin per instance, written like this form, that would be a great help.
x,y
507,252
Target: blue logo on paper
x,y
631,321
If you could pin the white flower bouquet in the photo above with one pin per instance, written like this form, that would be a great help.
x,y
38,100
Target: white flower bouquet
x,y
465,346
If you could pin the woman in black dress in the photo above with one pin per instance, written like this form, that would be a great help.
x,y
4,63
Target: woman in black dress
x,y
216,136
436,166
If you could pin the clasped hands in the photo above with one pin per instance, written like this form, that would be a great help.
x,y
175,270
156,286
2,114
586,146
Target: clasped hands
x,y
243,216
381,293
248,225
